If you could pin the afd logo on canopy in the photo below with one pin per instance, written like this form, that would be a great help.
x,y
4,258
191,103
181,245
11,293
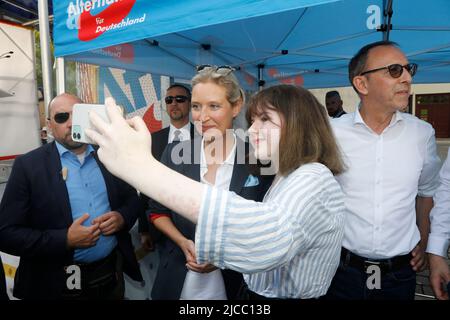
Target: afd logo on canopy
x,y
92,18
374,19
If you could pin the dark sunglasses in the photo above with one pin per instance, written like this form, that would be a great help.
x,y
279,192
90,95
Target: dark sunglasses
x,y
223,70
61,117
178,99
396,70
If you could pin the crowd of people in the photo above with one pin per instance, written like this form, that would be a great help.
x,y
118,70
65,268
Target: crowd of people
x,y
317,204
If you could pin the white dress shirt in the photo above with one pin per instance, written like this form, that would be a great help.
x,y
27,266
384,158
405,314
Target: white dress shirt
x,y
384,175
439,238
224,171
287,246
184,135
209,286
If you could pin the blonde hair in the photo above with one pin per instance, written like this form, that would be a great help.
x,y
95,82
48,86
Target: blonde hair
x,y
225,79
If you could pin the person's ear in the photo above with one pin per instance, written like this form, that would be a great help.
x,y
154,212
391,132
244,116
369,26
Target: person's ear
x,y
360,83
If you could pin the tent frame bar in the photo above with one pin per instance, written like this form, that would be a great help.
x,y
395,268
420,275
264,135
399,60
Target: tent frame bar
x,y
46,57
386,27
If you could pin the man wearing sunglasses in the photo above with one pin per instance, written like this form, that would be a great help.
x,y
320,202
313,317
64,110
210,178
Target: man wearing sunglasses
x,y
68,219
391,176
178,106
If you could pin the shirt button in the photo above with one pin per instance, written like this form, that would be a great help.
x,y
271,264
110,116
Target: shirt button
x,y
85,184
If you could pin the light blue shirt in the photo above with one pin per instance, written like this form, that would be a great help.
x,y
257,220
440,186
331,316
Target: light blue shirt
x,y
87,194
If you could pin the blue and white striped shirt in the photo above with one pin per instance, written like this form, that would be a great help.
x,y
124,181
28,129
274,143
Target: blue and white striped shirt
x,y
287,246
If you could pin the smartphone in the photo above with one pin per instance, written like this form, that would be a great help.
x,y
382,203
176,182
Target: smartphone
x,y
80,120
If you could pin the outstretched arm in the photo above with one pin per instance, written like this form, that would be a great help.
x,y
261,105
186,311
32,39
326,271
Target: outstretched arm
x,y
124,150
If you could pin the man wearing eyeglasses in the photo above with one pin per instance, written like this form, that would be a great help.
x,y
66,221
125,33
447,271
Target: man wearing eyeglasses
x,y
391,176
178,106
68,219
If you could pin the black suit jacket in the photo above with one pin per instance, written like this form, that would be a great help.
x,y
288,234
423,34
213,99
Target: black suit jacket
x,y
159,143
160,139
35,215
172,270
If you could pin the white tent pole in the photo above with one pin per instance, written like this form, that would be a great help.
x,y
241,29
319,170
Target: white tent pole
x,y
60,76
46,58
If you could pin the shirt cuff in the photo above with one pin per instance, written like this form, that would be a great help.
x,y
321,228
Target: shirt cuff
x,y
427,193
438,245
153,216
210,233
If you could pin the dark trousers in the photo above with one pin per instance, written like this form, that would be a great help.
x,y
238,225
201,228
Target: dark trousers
x,y
102,280
351,283
3,294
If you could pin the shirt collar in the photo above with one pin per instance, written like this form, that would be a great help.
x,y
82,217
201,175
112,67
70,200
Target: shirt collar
x,y
357,118
185,132
62,150
398,116
228,161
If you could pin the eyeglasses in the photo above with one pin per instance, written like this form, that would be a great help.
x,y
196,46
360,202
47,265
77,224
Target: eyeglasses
x,y
396,70
61,117
178,99
223,70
